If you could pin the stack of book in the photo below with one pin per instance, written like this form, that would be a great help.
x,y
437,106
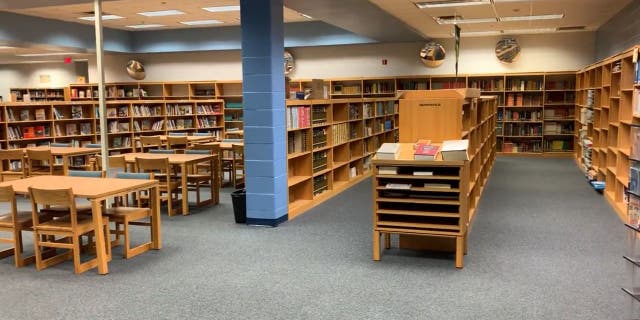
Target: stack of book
x,y
425,151
388,151
455,150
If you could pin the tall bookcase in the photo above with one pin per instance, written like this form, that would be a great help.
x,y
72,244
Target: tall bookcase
x,y
442,203
330,144
607,88
38,94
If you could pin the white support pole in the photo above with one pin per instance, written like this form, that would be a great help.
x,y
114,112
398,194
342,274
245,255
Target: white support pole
x,y
104,147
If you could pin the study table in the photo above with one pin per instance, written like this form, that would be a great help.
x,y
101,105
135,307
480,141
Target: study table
x,y
66,153
97,190
190,139
184,161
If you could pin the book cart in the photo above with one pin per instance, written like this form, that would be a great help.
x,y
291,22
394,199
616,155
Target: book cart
x,y
431,204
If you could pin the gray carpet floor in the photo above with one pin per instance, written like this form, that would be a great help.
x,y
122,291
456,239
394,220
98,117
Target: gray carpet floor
x,y
544,245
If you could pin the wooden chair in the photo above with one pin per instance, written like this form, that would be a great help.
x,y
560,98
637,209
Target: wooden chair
x,y
162,172
197,178
14,223
213,148
237,173
126,216
12,164
82,209
149,142
67,229
115,162
178,143
41,162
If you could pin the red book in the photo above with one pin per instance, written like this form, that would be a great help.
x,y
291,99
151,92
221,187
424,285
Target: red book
x,y
426,152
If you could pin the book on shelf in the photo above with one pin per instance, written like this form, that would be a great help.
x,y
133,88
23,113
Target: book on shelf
x,y
123,126
24,115
28,132
437,185
398,186
76,112
455,150
387,170
425,151
40,114
634,210
634,179
636,102
111,112
635,143
85,128
422,173
40,131
388,151
72,129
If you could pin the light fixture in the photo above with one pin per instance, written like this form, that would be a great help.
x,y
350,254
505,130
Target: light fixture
x,y
145,26
104,17
307,16
46,54
450,3
533,18
161,13
528,31
465,21
479,33
222,9
201,22
7,47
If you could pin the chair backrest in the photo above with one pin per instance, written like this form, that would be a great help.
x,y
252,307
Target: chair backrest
x,y
199,151
135,175
115,161
8,195
150,141
177,142
156,165
39,154
59,144
177,134
162,151
52,197
94,145
88,174
238,152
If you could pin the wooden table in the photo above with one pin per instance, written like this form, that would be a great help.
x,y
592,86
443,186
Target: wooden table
x,y
98,190
66,153
183,161
224,145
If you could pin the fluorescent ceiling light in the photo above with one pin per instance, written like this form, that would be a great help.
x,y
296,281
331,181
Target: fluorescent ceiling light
x,y
527,31
46,54
145,26
464,21
161,13
7,47
222,9
104,17
306,16
450,3
479,33
201,22
532,18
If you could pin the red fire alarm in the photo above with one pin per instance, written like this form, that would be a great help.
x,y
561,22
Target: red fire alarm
x,y
67,60
384,62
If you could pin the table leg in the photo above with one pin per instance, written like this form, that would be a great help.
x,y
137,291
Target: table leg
x,y
154,201
65,165
185,191
215,188
101,252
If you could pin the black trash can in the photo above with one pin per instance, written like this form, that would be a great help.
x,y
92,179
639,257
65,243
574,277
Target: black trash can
x,y
239,200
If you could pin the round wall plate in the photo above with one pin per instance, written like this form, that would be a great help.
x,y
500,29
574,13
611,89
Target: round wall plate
x,y
507,50
432,55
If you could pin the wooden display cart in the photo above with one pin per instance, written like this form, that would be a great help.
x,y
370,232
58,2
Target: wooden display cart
x,y
434,200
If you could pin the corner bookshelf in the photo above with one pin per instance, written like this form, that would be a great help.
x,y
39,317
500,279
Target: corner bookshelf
x,y
422,214
609,87
330,144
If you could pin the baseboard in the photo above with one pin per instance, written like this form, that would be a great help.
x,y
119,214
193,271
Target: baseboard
x,y
267,222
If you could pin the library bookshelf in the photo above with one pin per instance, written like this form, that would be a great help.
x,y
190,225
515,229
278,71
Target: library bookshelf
x,y
606,98
439,198
330,144
77,122
38,94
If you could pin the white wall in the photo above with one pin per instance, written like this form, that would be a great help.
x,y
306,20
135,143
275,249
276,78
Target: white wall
x,y
28,75
557,52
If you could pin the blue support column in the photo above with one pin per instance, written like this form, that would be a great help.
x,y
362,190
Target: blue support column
x,y
264,111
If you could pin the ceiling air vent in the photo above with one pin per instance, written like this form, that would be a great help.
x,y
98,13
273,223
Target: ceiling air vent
x,y
571,28
450,3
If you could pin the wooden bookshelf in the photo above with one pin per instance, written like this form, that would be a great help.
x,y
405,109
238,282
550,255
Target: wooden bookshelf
x,y
606,88
431,217
330,144
77,122
38,94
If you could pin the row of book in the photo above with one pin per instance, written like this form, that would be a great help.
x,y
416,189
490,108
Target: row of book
x,y
297,141
179,124
560,113
71,129
508,115
340,133
412,85
147,110
205,122
319,138
319,115
118,126
487,84
521,99
346,89
566,84
320,184
379,87
557,145
27,114
28,132
117,112
524,84
354,111
147,125
179,110
522,146
558,128
298,117
77,112
319,161
209,109
121,142
522,129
